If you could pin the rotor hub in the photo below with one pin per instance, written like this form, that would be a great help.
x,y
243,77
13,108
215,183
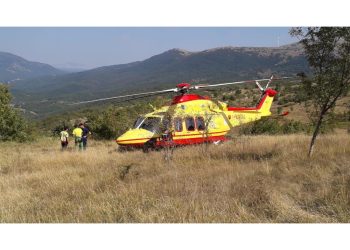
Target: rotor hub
x,y
183,88
183,85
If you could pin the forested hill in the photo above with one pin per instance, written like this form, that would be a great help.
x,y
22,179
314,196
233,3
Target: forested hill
x,y
15,68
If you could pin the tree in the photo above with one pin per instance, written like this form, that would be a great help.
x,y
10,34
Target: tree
x,y
12,125
328,52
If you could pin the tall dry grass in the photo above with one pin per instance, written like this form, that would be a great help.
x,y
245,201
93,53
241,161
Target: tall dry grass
x,y
249,179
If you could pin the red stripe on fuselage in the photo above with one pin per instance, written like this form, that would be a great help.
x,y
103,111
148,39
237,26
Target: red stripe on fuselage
x,y
187,141
198,140
212,133
130,140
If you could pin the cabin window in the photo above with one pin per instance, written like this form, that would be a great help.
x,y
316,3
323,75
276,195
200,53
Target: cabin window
x,y
190,125
178,124
200,123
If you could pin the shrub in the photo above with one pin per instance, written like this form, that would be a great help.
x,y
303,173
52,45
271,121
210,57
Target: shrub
x,y
12,124
273,127
291,127
263,126
114,121
279,110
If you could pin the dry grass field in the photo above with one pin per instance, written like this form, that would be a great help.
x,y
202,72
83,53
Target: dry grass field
x,y
249,179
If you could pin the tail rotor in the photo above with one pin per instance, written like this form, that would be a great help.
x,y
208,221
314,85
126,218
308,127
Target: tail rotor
x,y
267,85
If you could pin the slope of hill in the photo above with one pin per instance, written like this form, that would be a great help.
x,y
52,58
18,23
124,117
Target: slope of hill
x,y
161,71
15,68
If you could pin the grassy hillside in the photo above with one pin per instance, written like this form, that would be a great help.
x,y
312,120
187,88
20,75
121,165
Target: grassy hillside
x,y
249,179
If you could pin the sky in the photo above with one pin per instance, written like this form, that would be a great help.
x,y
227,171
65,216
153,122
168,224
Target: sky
x,y
94,47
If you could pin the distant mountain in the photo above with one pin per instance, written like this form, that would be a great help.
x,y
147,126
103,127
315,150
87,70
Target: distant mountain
x,y
15,68
163,71
71,70
71,67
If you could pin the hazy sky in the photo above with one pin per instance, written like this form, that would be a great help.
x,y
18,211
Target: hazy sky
x,y
93,47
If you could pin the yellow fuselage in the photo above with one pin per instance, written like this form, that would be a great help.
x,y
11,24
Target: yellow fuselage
x,y
194,119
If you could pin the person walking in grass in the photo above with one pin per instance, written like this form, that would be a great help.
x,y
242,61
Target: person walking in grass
x,y
77,134
64,138
85,134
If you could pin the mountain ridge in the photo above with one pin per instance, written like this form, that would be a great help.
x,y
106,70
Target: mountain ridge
x,y
15,68
164,70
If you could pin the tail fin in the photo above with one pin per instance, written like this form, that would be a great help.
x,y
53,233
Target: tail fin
x,y
266,101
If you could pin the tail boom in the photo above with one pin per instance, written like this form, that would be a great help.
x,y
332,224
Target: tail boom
x,y
241,115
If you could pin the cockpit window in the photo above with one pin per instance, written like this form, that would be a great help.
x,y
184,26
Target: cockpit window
x,y
138,122
151,124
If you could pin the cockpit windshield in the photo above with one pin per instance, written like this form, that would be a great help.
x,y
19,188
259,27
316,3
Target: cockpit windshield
x,y
138,122
149,123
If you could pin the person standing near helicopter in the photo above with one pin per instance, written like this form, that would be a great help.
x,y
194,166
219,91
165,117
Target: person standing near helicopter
x,y
64,138
85,133
77,134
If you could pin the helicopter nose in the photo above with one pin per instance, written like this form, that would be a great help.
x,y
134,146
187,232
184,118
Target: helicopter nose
x,y
134,137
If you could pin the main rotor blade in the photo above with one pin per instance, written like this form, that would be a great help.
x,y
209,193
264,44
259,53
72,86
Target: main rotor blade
x,y
200,86
233,83
137,97
145,94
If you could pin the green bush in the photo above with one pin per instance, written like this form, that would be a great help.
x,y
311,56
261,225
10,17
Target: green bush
x,y
291,127
282,101
114,121
60,127
273,127
279,110
12,125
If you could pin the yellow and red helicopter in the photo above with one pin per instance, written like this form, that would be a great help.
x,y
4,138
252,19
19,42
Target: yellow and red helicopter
x,y
191,118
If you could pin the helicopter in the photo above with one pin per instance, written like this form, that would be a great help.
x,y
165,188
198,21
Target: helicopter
x,y
191,118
